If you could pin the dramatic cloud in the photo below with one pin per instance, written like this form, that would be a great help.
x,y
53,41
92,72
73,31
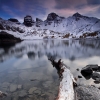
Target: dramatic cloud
x,y
93,2
41,8
62,4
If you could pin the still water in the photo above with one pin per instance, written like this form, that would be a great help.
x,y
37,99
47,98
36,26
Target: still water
x,y
27,74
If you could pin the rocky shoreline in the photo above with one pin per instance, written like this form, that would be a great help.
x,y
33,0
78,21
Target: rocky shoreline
x,y
8,38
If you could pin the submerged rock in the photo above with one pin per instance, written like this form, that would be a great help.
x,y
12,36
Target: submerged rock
x,y
88,70
31,90
22,93
13,87
19,86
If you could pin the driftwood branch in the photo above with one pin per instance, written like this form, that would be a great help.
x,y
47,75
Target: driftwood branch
x,y
66,88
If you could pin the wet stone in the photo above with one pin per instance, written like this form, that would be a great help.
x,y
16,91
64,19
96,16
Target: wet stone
x,y
37,92
22,93
79,76
5,84
47,83
13,87
31,90
19,86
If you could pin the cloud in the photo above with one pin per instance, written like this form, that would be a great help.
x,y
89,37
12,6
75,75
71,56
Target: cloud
x,y
63,4
93,2
41,8
21,8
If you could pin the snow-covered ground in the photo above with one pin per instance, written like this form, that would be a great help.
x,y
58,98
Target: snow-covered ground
x,y
58,28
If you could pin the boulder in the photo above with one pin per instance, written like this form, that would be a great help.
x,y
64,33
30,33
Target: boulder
x,y
88,70
96,77
87,93
13,87
87,73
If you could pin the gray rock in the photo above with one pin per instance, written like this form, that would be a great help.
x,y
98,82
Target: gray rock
x,y
13,87
32,89
37,91
96,76
22,93
19,86
87,93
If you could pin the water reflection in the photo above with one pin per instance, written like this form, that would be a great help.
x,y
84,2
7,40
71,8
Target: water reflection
x,y
26,73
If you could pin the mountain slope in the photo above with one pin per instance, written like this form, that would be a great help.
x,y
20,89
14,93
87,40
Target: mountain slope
x,y
75,26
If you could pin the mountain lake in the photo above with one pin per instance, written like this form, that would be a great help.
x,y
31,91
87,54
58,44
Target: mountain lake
x,y
27,74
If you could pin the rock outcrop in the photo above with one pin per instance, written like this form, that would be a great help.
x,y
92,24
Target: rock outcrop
x,y
28,21
13,20
5,37
38,22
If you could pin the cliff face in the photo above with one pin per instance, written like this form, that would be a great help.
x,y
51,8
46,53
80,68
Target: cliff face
x,y
8,38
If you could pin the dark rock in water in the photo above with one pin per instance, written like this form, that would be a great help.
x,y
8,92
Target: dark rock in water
x,y
77,69
93,67
13,20
7,38
87,73
88,70
79,76
1,27
97,82
87,93
96,76
28,21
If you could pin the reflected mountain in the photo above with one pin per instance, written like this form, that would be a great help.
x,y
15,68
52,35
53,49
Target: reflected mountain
x,y
72,49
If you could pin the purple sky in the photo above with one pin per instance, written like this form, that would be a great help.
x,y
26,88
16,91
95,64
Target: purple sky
x,y
41,8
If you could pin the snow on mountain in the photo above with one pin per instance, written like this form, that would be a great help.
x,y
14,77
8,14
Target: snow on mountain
x,y
75,26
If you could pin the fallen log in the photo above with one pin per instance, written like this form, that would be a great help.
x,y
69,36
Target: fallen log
x,y
66,88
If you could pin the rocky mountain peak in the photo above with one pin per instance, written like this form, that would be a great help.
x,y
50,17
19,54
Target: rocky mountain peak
x,y
77,15
38,20
52,16
13,20
28,20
